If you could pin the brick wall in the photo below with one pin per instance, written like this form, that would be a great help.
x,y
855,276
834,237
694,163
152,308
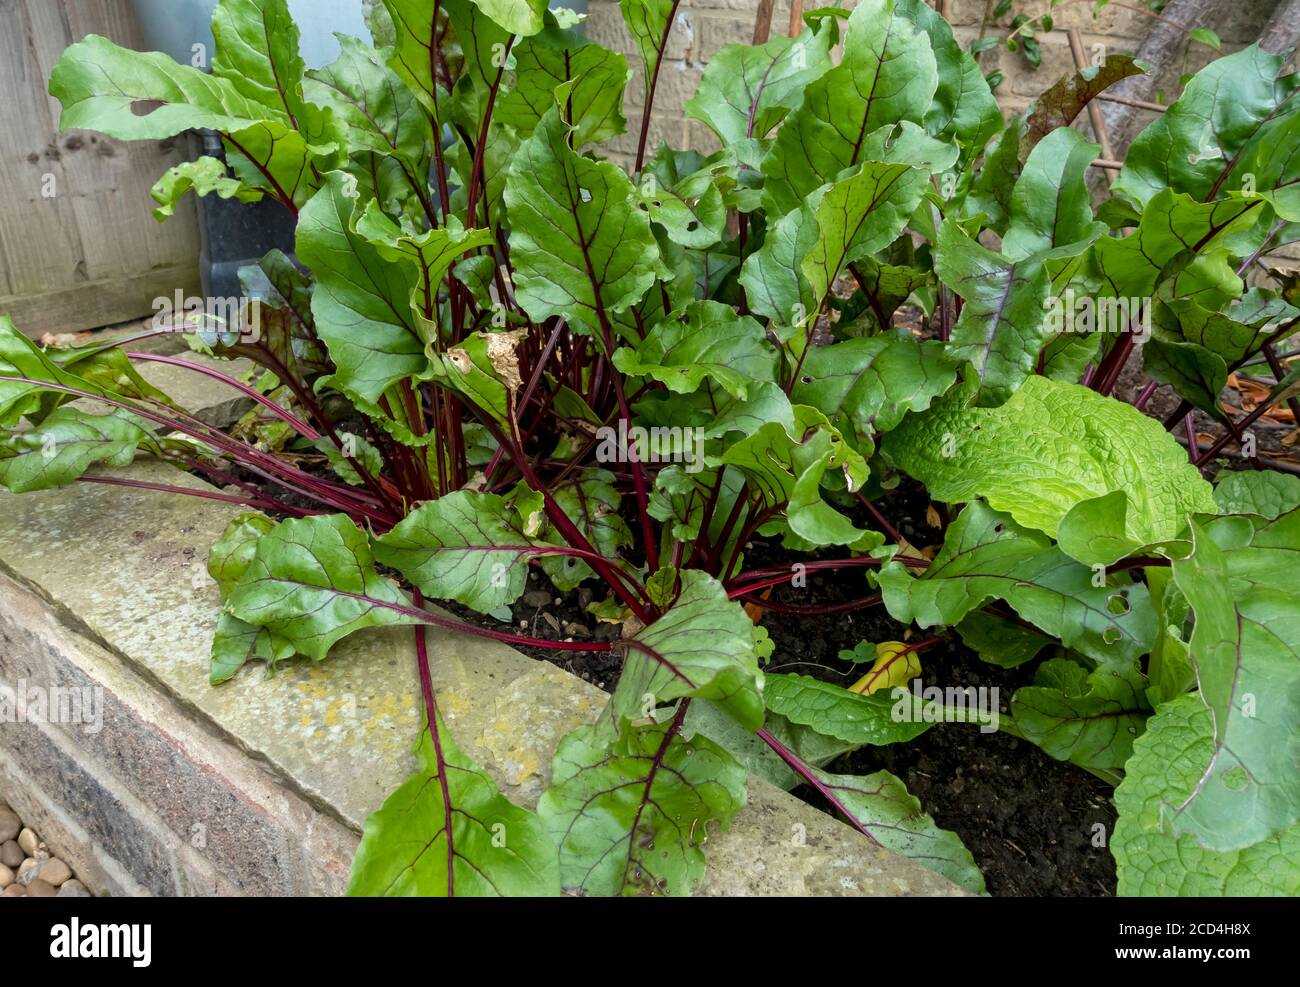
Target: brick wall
x,y
704,26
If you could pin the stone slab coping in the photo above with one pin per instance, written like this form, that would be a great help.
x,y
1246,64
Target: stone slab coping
x,y
127,569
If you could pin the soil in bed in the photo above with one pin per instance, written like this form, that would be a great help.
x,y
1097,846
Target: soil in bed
x,y
1030,821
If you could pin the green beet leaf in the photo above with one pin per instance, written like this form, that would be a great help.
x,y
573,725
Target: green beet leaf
x,y
448,832
631,818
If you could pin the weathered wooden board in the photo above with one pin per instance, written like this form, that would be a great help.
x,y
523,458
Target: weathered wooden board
x,y
79,247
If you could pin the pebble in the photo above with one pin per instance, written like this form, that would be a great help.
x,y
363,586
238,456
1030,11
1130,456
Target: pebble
x,y
537,598
41,889
11,854
10,824
29,842
28,871
54,871
73,889
7,876
14,891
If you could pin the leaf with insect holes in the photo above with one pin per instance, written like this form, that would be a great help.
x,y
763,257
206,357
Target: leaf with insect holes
x,y
881,804
101,85
1087,718
1051,446
469,547
631,818
1166,767
704,646
746,90
987,556
447,831
65,445
888,74
1245,647
581,249
706,341
313,582
206,176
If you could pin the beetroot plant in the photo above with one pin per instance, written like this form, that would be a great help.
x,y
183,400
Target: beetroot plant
x,y
497,351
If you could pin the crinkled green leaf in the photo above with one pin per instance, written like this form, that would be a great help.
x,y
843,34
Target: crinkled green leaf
x,y
1265,492
1167,766
1049,447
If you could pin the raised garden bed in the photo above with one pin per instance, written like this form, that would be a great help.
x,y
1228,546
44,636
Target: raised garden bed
x,y
817,454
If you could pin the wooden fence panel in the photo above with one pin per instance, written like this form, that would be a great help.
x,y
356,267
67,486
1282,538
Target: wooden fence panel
x,y
79,247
